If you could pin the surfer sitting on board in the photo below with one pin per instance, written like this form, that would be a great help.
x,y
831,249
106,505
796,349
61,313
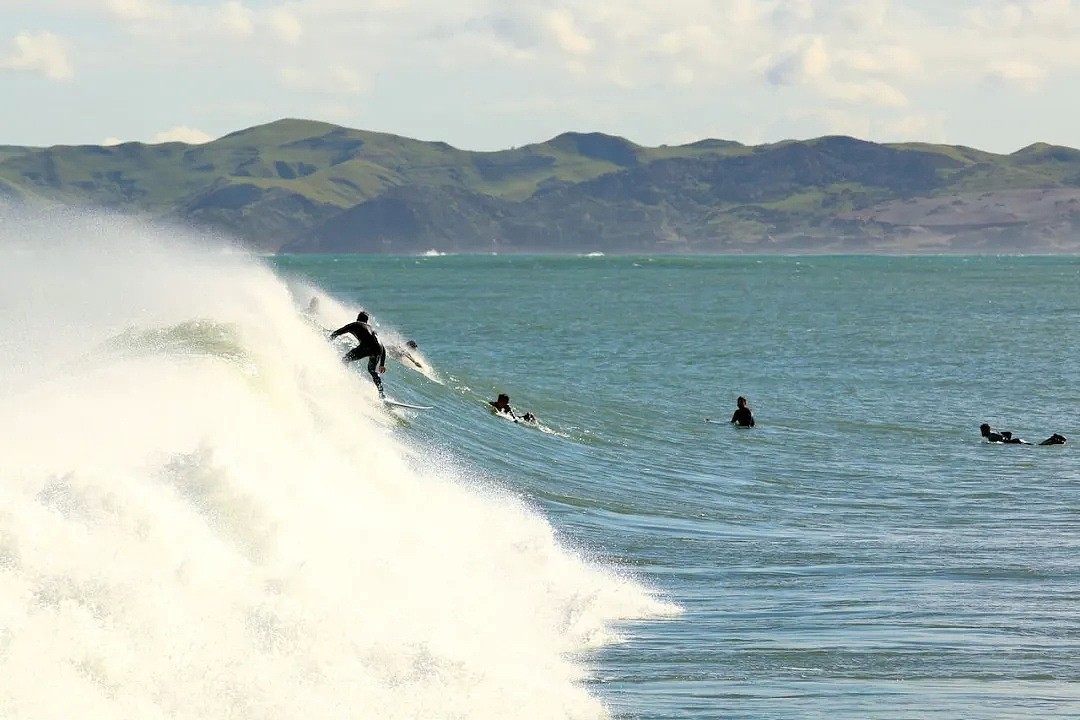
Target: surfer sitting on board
x,y
369,347
397,352
743,417
1006,437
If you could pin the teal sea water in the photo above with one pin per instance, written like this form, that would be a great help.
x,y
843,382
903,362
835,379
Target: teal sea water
x,y
203,514
860,553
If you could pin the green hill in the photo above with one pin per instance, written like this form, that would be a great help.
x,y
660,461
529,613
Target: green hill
x,y
305,186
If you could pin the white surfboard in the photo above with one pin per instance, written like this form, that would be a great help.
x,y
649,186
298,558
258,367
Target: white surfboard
x,y
398,403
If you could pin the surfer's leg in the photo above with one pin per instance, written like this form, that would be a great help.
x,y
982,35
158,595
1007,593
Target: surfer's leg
x,y
373,370
355,354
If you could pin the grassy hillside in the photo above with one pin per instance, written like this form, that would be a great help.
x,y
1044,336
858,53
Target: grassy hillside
x,y
312,186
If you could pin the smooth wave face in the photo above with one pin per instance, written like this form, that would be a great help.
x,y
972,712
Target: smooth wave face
x,y
203,515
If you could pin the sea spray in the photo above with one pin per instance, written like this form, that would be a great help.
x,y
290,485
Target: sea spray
x,y
203,515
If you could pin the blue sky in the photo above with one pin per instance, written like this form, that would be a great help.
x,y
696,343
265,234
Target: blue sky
x,y
486,75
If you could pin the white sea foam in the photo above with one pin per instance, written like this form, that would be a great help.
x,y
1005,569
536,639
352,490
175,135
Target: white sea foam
x,y
202,515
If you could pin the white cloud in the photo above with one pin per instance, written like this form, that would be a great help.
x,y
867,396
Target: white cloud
x,y
890,60
683,75
237,19
184,134
869,92
140,9
862,16
793,13
564,31
1020,74
1030,21
204,24
843,81
286,26
808,61
893,61
696,46
110,141
43,52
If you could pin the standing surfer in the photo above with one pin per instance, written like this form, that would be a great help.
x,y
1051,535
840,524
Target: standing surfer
x,y
368,346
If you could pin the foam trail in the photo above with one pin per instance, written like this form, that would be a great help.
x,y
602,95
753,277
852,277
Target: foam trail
x,y
203,515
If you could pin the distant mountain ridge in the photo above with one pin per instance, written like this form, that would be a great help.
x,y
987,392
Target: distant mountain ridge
x,y
311,187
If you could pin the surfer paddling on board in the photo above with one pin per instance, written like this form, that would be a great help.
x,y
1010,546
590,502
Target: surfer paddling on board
x,y
743,417
1006,437
502,405
369,347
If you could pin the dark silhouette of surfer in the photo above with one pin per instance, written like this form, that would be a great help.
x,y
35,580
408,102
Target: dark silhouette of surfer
x,y
1007,438
368,347
502,405
743,416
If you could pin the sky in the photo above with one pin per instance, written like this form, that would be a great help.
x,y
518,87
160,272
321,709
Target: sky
x,y
996,75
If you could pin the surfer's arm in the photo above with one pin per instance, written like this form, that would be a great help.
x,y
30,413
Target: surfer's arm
x,y
414,361
342,330
505,411
382,358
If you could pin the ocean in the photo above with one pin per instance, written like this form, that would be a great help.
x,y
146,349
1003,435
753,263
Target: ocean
x,y
203,514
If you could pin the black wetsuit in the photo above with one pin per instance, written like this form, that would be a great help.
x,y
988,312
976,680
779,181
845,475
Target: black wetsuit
x,y
743,417
1003,437
369,347
504,409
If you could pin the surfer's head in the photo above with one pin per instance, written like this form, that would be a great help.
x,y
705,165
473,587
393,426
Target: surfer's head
x,y
411,344
504,399
362,316
984,429
741,402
